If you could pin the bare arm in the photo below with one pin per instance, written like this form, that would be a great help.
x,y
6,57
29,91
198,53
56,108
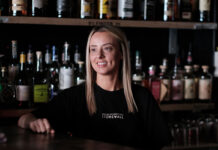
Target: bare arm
x,y
39,125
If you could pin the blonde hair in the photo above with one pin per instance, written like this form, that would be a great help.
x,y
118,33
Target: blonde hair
x,y
125,70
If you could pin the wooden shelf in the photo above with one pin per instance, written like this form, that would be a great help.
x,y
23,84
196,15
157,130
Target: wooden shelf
x,y
12,113
96,22
192,147
187,107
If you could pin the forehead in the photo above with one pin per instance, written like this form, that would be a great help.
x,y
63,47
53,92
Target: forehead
x,y
102,38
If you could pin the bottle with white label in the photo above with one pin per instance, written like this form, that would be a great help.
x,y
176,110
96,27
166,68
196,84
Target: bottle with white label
x,y
66,75
40,88
189,84
22,85
125,9
205,85
204,10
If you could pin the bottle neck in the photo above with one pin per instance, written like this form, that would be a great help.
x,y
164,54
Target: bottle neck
x,y
22,62
39,67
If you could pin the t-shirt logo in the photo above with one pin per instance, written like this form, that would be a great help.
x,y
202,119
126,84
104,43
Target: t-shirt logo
x,y
112,116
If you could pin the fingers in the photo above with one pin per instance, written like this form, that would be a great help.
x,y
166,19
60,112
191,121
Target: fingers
x,y
41,126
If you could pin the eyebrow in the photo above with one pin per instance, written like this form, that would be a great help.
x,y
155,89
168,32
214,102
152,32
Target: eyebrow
x,y
102,45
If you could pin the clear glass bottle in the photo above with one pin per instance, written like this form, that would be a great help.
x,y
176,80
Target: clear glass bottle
x,y
138,75
80,74
40,88
189,85
149,9
54,73
23,85
204,10
168,11
165,85
39,8
205,85
126,9
86,9
154,82
177,85
18,7
64,8
66,75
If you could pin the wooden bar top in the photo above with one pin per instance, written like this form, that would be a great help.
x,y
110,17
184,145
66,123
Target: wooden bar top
x,y
22,139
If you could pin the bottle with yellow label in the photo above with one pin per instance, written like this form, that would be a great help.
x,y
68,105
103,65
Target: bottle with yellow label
x,y
40,88
107,9
18,7
86,9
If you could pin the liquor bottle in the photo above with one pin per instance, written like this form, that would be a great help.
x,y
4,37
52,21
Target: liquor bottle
x,y
40,88
107,9
168,11
54,73
80,74
177,10
18,7
189,84
125,9
77,58
22,85
149,9
4,7
204,10
196,73
47,61
39,8
165,85
30,61
189,59
205,85
66,75
138,74
64,8
13,67
186,10
177,85
154,83
86,9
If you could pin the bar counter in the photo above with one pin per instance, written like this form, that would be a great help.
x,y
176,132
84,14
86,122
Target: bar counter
x,y
22,139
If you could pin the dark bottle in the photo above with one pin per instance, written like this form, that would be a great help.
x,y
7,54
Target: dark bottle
x,y
205,85
4,7
165,84
186,10
64,8
80,74
22,85
107,9
47,61
40,88
189,85
177,85
168,10
54,73
13,67
30,61
18,7
204,10
39,7
189,59
148,9
126,9
66,74
86,8
77,58
154,83
138,75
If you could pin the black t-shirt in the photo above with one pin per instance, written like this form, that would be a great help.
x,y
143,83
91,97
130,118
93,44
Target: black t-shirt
x,y
112,122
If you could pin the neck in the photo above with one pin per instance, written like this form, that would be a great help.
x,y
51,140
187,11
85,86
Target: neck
x,y
109,83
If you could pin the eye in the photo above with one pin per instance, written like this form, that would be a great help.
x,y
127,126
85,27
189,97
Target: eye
x,y
108,48
92,49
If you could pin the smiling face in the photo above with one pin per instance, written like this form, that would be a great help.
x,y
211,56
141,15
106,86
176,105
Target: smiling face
x,y
105,54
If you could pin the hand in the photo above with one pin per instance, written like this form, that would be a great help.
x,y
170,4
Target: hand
x,y
41,126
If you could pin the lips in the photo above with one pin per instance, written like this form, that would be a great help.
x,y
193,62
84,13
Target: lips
x,y
101,64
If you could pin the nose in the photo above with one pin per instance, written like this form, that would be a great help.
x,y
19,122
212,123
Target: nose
x,y
100,53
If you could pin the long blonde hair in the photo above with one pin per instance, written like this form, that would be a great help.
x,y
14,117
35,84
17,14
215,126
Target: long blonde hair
x,y
125,70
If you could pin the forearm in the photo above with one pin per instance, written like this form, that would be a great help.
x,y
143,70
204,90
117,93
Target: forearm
x,y
25,120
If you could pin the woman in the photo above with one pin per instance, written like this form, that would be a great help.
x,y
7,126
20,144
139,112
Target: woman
x,y
107,107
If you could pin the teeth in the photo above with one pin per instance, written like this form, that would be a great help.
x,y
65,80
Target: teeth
x,y
101,63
